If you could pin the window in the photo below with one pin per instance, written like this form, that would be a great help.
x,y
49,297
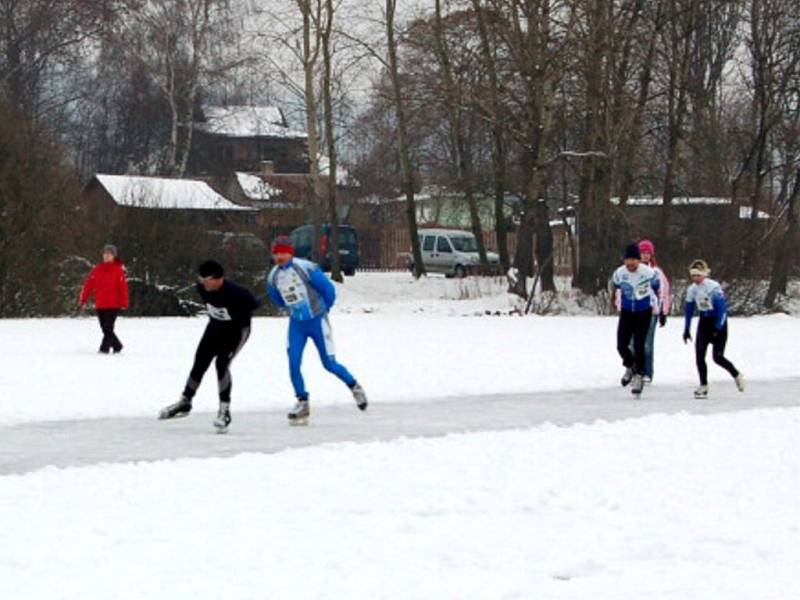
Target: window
x,y
427,244
465,244
347,237
442,245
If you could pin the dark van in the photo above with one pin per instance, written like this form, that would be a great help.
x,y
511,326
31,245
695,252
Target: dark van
x,y
302,240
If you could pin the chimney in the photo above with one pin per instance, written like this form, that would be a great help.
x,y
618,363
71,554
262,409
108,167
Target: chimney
x,y
267,167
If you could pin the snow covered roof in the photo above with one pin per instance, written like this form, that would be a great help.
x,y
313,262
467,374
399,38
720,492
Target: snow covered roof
x,y
248,121
745,212
162,193
677,201
256,188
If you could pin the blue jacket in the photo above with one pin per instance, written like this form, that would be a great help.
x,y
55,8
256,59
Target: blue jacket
x,y
709,300
302,289
639,289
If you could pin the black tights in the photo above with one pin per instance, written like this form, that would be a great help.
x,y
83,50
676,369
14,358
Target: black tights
x,y
707,334
633,325
222,343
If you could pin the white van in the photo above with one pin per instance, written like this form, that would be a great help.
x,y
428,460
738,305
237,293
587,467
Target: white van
x,y
453,252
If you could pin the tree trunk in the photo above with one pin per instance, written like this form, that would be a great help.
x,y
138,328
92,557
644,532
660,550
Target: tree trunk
x,y
330,135
595,242
454,112
785,250
544,247
498,140
310,54
627,165
402,140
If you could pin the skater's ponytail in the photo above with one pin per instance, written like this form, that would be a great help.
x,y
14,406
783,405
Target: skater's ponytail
x,y
699,267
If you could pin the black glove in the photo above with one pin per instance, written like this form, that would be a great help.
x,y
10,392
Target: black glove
x,y
687,336
662,320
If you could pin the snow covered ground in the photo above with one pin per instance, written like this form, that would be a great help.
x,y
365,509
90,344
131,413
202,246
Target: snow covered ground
x,y
663,507
54,372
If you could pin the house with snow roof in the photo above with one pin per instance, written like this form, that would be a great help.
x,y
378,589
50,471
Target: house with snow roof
x,y
114,198
248,139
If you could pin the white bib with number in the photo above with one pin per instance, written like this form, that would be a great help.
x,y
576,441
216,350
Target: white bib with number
x,y
291,287
218,313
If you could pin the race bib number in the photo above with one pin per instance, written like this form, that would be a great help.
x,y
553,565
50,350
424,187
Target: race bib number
x,y
218,313
291,296
704,303
642,291
292,289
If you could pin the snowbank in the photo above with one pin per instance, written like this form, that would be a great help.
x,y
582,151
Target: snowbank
x,y
664,508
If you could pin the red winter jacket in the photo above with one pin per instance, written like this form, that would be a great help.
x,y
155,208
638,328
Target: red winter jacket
x,y
109,284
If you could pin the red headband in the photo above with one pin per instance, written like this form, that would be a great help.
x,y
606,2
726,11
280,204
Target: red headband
x,y
282,249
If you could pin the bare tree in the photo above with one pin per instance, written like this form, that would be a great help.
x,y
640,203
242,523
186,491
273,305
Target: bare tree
x,y
326,32
499,144
40,39
677,52
774,47
538,39
176,41
454,108
402,137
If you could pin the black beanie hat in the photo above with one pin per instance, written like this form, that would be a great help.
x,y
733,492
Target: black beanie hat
x,y
211,268
632,251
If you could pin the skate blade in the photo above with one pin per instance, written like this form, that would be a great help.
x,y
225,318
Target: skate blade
x,y
301,422
166,417
220,430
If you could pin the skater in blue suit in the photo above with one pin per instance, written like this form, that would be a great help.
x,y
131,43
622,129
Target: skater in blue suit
x,y
301,289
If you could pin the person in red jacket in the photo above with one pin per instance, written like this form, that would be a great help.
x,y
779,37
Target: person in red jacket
x,y
108,283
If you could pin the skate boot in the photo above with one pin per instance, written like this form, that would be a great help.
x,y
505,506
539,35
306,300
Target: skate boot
x,y
223,417
701,392
627,377
180,409
740,382
637,385
648,380
300,413
360,396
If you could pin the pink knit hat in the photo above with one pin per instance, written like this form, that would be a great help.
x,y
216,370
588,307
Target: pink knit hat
x,y
647,246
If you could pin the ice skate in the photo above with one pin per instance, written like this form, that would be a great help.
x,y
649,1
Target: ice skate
x,y
223,417
740,382
180,409
360,396
627,377
701,392
637,384
648,380
299,414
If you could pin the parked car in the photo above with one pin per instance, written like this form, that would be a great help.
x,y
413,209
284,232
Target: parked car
x,y
303,241
453,252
